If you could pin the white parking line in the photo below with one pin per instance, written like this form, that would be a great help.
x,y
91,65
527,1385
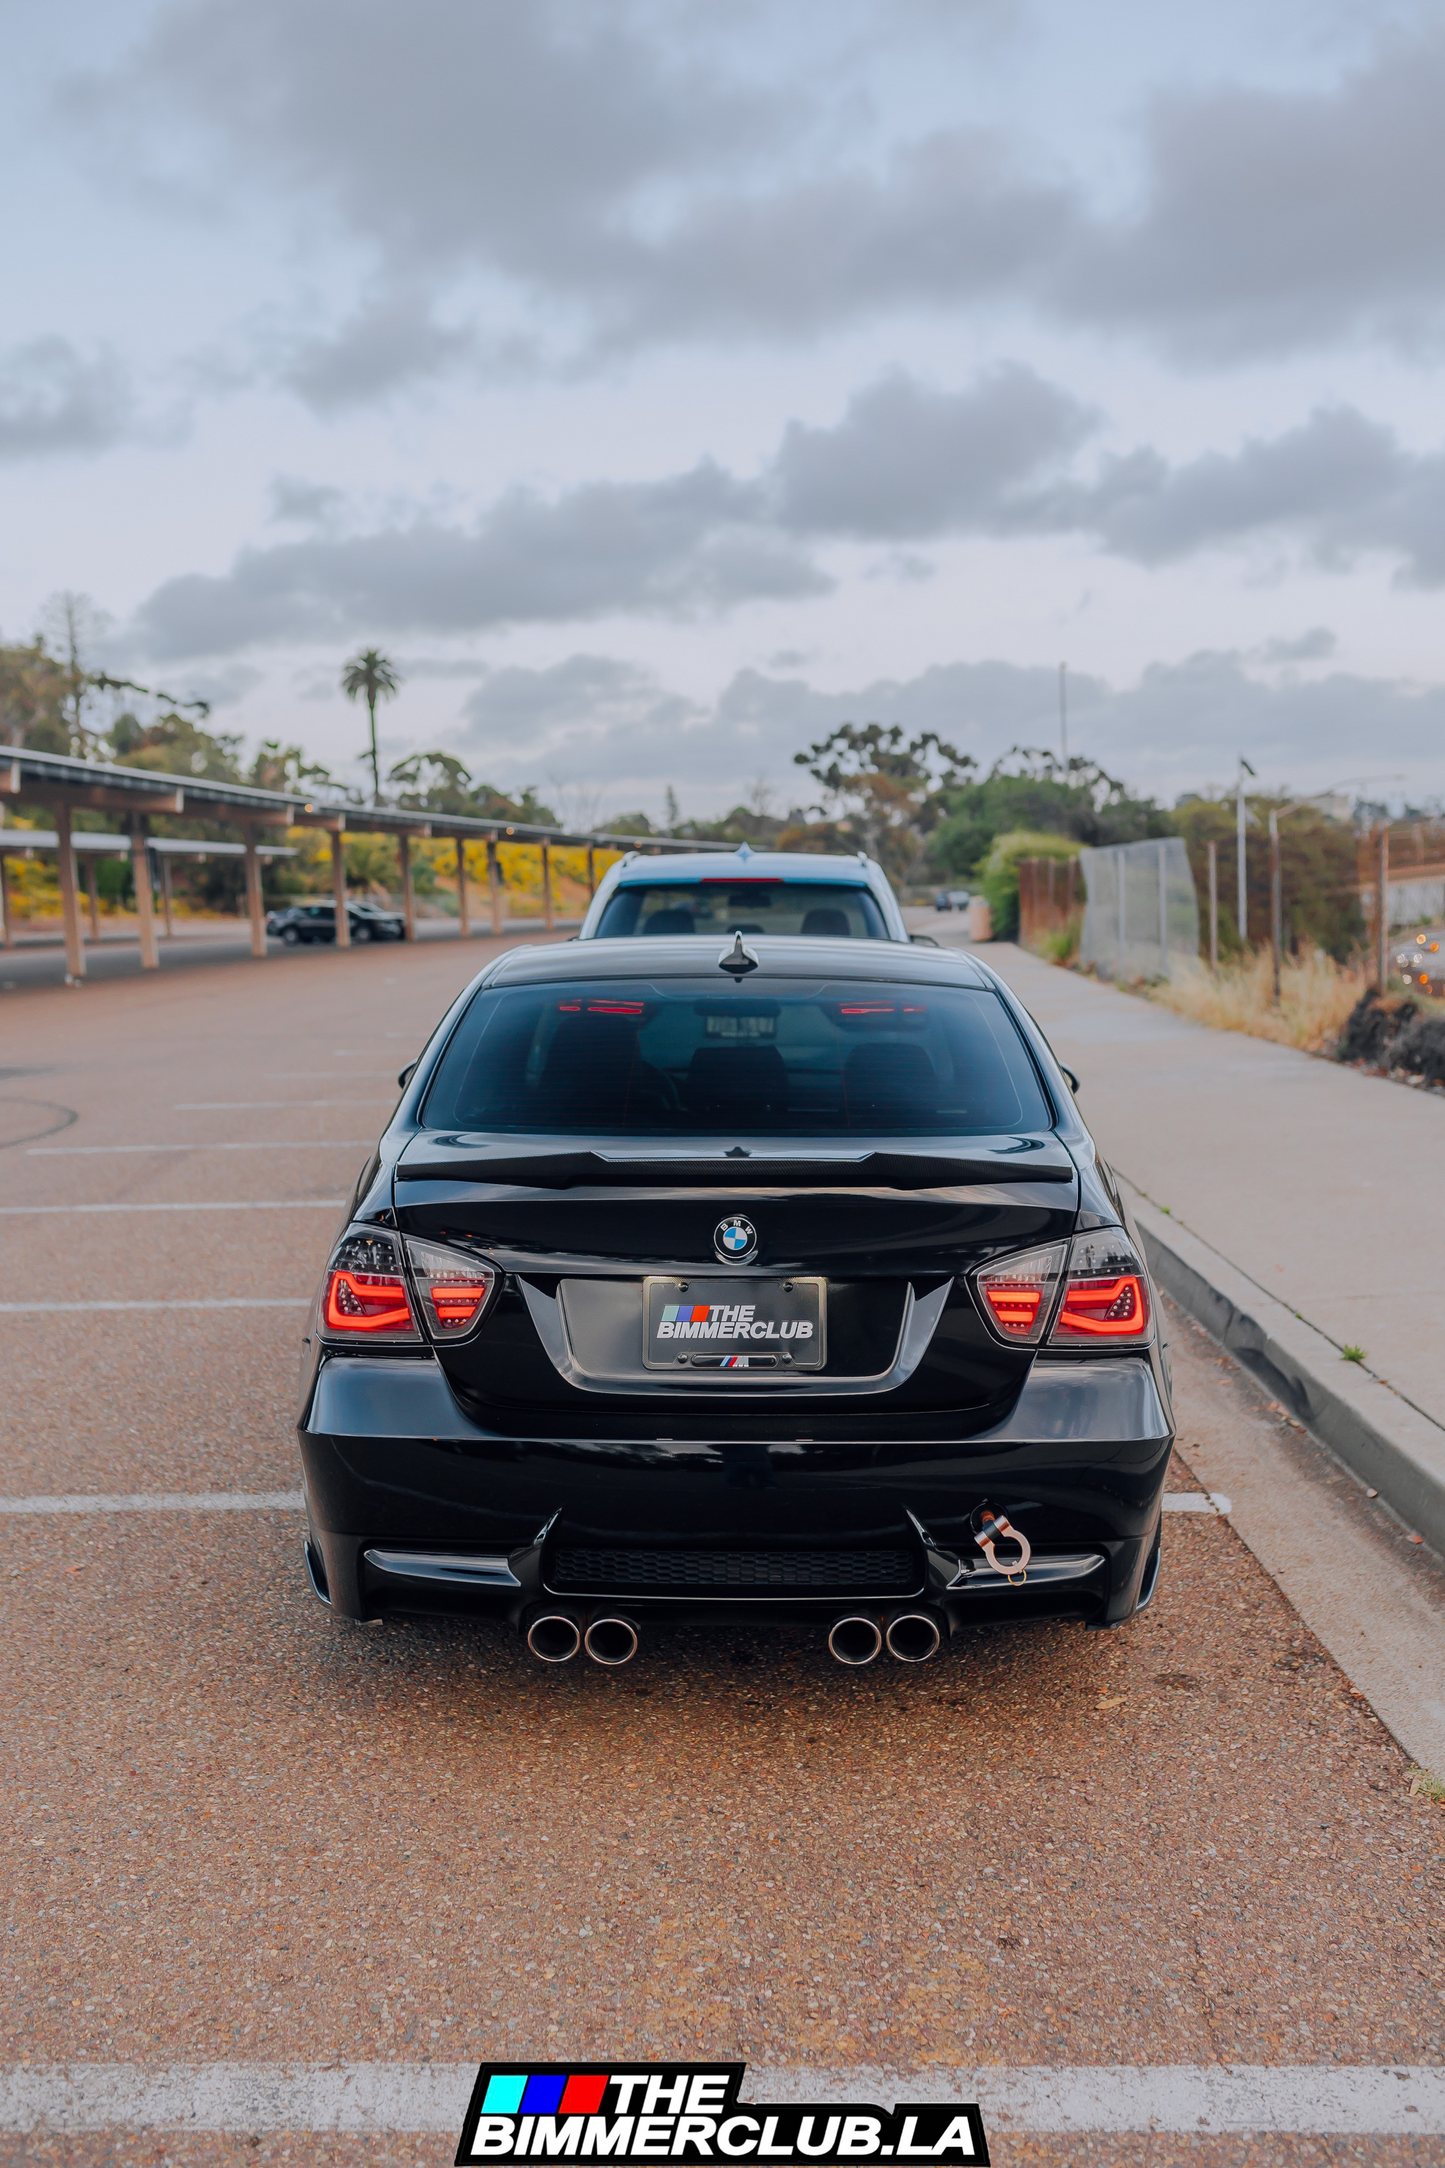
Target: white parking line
x,y
215,1302
271,1204
76,1151
1310,2099
1186,1501
158,1502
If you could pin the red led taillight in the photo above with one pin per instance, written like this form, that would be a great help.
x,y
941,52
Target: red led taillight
x,y
1106,1309
367,1302
1018,1294
452,1288
1106,1295
366,1294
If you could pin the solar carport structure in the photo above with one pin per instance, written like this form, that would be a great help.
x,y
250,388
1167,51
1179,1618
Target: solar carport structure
x,y
65,786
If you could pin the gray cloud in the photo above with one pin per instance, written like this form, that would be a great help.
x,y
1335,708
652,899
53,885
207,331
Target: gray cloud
x,y
619,170
54,399
679,547
614,730
1270,220
905,462
393,339
1339,485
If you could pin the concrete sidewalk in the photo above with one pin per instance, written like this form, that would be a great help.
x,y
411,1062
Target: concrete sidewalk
x,y
1296,1207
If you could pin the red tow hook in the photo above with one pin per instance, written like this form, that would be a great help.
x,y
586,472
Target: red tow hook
x,y
990,1528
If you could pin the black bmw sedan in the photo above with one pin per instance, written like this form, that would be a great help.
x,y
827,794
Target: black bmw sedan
x,y
779,1280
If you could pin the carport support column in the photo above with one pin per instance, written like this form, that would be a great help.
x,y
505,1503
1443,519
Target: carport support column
x,y
164,863
338,885
494,884
592,869
408,901
255,906
69,900
92,895
140,873
464,906
547,886
7,937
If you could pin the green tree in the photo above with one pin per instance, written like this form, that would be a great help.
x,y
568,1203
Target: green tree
x,y
889,791
370,677
1029,788
439,782
34,692
1318,871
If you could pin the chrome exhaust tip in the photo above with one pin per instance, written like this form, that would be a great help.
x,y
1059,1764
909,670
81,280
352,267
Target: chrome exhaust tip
x,y
913,1636
554,1638
855,1638
611,1639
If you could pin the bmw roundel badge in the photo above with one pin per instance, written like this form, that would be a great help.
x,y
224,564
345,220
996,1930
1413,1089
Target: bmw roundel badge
x,y
736,1240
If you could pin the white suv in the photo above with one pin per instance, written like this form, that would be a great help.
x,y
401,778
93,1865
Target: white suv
x,y
801,894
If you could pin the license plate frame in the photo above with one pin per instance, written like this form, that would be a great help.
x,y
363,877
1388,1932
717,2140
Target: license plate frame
x,y
734,1347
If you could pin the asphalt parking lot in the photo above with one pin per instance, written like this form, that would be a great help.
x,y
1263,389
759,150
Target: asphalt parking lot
x,y
237,1831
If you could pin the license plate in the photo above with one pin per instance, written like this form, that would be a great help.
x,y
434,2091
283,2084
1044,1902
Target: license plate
x,y
734,1325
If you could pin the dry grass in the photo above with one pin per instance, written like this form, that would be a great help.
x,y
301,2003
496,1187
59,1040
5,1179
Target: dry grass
x,y
1315,996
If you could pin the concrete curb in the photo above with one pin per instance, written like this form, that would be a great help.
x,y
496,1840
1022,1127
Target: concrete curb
x,y
1363,1421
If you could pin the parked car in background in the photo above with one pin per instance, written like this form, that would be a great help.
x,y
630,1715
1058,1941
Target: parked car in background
x,y
795,894
1420,961
952,899
311,922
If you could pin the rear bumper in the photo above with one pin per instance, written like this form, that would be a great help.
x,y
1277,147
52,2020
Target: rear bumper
x,y
413,1506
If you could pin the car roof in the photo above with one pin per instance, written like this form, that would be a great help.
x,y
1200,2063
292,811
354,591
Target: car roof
x,y
687,956
742,865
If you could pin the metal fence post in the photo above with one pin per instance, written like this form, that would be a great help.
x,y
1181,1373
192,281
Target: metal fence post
x,y
1214,906
547,884
1121,877
1382,908
1163,911
1276,899
408,893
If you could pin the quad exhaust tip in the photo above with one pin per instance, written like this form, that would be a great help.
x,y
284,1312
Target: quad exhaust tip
x,y
855,1638
910,1637
913,1636
554,1638
611,1640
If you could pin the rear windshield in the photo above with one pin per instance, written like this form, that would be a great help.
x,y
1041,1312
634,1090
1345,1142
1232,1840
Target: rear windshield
x,y
694,1057
832,910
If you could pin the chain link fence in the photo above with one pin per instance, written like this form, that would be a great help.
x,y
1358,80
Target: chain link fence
x,y
1141,914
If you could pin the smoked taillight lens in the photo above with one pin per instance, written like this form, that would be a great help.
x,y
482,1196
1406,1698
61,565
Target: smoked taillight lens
x,y
453,1289
1017,1294
366,1293
1106,1294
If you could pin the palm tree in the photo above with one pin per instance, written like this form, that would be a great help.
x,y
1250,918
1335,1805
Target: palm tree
x,y
370,677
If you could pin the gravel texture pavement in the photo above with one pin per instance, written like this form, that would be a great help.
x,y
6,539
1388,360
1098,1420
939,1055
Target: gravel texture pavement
x,y
236,1829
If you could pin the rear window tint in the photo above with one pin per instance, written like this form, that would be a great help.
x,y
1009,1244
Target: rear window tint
x,y
638,1057
831,910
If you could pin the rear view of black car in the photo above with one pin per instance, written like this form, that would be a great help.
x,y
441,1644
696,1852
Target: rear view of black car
x,y
783,1282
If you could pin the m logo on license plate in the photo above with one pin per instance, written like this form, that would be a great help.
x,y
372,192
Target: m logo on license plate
x,y
732,1326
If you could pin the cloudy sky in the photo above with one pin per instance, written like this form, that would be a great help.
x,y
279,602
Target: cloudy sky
x,y
662,382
